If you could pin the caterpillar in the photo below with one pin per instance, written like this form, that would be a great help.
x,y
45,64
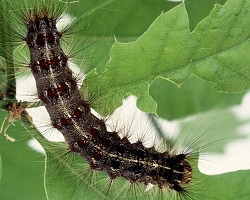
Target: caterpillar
x,y
86,134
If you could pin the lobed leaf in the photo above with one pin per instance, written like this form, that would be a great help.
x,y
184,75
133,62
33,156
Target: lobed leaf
x,y
169,51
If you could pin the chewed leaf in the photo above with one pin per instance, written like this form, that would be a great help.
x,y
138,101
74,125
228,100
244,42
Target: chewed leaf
x,y
168,50
222,53
154,54
194,96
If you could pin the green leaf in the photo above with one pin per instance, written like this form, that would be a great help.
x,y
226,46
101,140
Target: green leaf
x,y
168,50
221,38
193,97
198,10
134,66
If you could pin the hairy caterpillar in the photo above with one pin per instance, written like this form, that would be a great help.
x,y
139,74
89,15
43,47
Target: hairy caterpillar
x,y
86,134
52,91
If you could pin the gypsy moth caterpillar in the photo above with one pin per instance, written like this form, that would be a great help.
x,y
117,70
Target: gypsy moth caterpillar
x,y
134,190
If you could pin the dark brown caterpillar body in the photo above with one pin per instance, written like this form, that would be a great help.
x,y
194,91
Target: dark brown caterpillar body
x,y
84,132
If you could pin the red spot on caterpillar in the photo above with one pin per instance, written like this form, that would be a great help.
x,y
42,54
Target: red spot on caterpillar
x,y
43,64
64,121
81,143
51,38
63,87
56,60
40,40
51,92
93,132
77,113
96,156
